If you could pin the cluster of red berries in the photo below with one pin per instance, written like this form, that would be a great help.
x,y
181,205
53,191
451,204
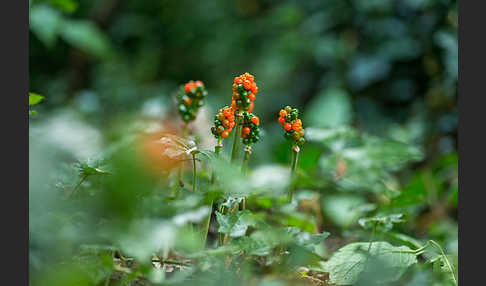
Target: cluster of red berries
x,y
250,131
191,98
224,122
289,119
244,92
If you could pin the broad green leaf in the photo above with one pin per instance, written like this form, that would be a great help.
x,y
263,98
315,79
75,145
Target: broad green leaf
x,y
349,262
45,22
360,162
331,108
235,224
34,98
86,36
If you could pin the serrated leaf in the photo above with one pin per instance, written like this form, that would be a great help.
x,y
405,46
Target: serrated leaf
x,y
235,224
349,262
34,98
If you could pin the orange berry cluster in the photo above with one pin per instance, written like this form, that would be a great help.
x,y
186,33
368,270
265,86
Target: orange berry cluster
x,y
289,119
244,92
250,131
224,122
191,98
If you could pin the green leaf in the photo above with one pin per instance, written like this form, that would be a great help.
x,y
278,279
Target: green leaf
x,y
86,36
235,224
344,210
65,5
306,239
34,98
331,108
45,22
385,223
350,261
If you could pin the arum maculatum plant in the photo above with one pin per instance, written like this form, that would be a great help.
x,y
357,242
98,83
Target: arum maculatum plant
x,y
224,122
191,98
294,132
245,90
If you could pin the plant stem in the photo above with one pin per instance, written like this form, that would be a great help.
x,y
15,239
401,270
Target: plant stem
x,y
206,224
449,265
236,142
293,168
194,178
217,150
246,157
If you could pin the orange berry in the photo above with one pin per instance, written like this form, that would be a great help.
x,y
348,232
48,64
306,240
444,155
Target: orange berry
x,y
283,113
295,127
252,105
231,118
250,77
232,124
255,120
298,122
225,134
238,80
226,113
246,130
233,105
254,89
251,96
281,120
247,84
287,126
188,87
229,130
199,83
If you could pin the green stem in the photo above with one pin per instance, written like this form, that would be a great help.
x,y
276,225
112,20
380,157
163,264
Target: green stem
x,y
236,142
206,225
217,151
293,168
449,265
194,178
246,157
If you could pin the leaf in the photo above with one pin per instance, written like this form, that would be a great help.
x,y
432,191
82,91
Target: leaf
x,y
331,108
361,162
34,98
382,222
306,239
235,224
45,22
349,262
344,210
86,36
65,5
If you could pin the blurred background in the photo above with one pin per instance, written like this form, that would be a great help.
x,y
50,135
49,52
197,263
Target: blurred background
x,y
388,69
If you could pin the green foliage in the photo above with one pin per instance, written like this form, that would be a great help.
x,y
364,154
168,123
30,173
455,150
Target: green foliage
x,y
111,194
34,98
350,261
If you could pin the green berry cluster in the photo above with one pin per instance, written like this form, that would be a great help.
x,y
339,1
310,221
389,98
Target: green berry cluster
x,y
191,98
251,130
289,119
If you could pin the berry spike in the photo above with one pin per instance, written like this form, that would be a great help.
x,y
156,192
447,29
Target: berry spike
x,y
190,98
